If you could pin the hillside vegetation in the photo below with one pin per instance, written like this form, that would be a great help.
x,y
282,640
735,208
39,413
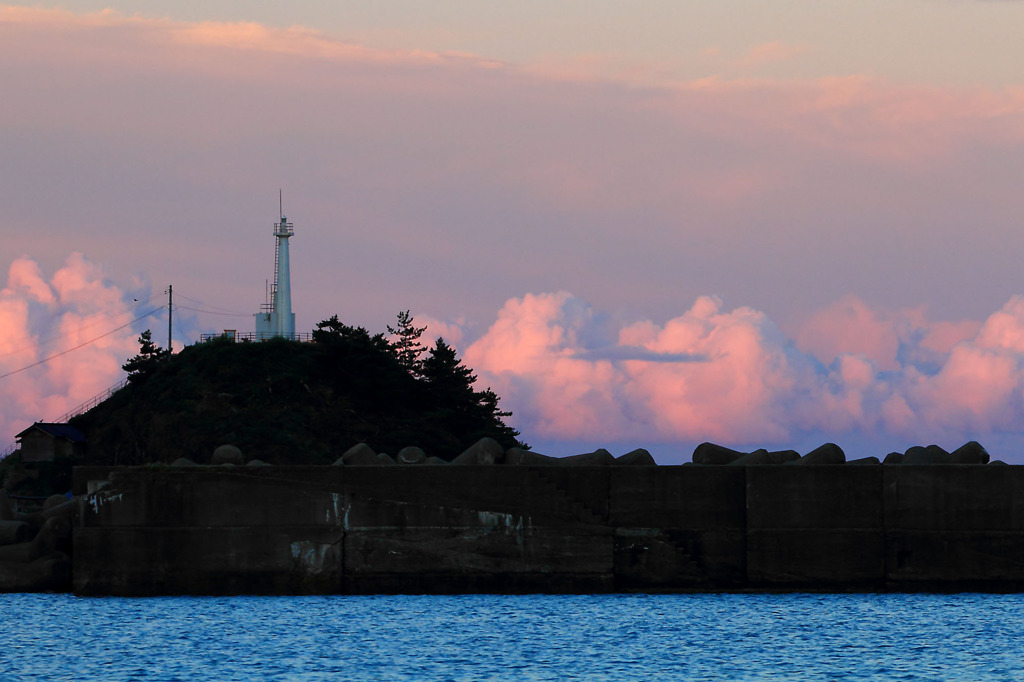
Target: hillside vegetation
x,y
287,402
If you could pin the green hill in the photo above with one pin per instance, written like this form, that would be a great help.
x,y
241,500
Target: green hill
x,y
287,402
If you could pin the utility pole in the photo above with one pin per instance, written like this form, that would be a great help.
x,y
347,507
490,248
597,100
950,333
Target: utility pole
x,y
170,315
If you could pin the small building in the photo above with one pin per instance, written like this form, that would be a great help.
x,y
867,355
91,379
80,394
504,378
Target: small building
x,y
44,442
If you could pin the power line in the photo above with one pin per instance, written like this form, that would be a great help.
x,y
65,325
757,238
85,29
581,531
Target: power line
x,y
43,341
81,345
221,311
212,312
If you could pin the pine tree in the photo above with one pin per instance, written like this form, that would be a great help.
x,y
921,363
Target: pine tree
x,y
407,344
468,411
149,358
448,377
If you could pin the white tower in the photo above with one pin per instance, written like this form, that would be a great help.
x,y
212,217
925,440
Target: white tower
x,y
276,317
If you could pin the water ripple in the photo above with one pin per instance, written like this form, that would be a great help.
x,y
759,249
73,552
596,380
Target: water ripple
x,y
491,637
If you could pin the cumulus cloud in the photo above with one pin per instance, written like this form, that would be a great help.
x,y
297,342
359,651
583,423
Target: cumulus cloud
x,y
571,374
887,338
452,331
733,377
44,316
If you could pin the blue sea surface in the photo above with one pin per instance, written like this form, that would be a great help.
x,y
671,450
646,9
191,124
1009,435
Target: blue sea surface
x,y
534,637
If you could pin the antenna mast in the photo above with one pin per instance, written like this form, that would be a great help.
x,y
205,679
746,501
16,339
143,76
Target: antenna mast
x,y
170,315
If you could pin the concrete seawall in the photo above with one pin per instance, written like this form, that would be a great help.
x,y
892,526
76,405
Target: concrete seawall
x,y
309,530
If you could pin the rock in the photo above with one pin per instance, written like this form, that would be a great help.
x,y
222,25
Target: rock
x,y
916,454
520,457
756,458
783,456
14,532
54,501
433,461
932,454
638,457
384,459
257,463
183,462
54,536
65,508
998,462
358,455
893,458
863,460
49,573
484,452
829,453
709,453
411,455
599,457
227,454
970,452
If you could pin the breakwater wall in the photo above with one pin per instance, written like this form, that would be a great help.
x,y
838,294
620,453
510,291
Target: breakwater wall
x,y
366,529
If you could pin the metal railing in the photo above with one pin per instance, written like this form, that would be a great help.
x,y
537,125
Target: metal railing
x,y
77,410
304,337
257,336
91,402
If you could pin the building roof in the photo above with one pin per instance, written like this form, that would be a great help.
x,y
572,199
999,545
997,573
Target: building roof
x,y
57,431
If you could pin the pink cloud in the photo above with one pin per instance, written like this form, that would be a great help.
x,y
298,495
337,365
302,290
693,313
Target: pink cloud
x,y
731,376
705,372
851,326
1004,330
242,36
570,375
26,278
942,335
452,331
40,318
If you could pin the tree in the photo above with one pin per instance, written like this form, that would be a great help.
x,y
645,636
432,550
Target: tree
x,y
407,345
468,411
333,332
446,374
330,330
149,358
287,402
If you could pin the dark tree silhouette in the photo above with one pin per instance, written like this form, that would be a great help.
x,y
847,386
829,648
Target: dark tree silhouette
x,y
149,358
464,409
287,402
407,344
448,377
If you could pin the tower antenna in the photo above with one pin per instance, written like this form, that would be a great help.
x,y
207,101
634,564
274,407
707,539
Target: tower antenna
x,y
170,316
280,204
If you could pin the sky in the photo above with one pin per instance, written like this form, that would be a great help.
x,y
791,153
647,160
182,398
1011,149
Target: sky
x,y
648,224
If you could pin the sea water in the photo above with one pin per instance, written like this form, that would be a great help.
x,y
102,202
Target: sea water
x,y
493,637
